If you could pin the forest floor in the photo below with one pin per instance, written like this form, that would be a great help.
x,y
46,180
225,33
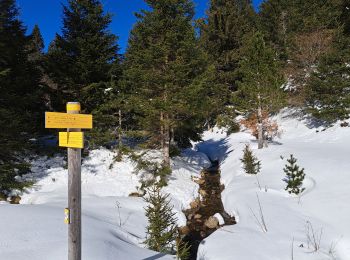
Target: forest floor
x,y
114,224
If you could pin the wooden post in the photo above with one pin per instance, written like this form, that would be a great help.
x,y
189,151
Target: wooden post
x,y
74,193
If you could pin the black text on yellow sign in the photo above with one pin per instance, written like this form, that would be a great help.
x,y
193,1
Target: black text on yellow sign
x,y
64,120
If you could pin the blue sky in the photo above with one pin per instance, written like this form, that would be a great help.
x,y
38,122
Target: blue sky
x,y
48,15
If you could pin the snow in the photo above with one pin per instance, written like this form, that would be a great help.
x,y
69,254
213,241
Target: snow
x,y
219,218
114,224
324,204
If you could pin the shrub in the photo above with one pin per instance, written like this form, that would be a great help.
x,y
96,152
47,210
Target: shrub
x,y
251,164
295,176
270,127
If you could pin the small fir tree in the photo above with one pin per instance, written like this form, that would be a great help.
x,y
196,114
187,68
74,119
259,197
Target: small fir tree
x,y
251,164
295,176
161,230
182,249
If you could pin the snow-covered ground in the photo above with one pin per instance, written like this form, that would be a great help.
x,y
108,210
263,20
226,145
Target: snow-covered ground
x,y
114,224
324,204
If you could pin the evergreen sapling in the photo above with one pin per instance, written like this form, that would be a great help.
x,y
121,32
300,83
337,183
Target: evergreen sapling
x,y
251,164
161,230
295,176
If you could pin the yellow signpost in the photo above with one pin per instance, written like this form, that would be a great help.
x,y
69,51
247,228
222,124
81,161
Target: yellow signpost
x,y
63,120
73,139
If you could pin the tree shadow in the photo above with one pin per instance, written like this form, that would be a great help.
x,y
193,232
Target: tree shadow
x,y
216,150
154,257
310,121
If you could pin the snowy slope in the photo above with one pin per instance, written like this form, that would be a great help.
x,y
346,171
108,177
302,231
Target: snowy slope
x,y
35,229
324,203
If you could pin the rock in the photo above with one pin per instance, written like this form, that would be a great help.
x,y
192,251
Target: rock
x,y
222,187
190,216
202,234
15,199
203,193
197,216
212,222
194,204
135,194
199,181
185,230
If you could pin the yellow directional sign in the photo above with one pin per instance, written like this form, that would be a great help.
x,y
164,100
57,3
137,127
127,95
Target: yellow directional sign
x,y
63,120
71,139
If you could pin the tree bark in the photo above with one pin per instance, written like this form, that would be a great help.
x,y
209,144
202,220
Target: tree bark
x,y
260,125
172,136
162,130
120,141
166,148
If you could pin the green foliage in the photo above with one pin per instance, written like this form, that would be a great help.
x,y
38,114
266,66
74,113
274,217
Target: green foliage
x,y
182,249
345,16
261,78
158,173
88,49
10,172
227,119
163,65
251,164
295,176
21,105
161,230
281,20
328,93
222,36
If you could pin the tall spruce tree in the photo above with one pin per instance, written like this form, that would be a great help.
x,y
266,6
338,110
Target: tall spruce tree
x,y
222,34
328,95
328,88
162,67
83,59
259,89
36,45
20,103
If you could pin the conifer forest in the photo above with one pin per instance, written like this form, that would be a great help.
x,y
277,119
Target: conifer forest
x,y
216,134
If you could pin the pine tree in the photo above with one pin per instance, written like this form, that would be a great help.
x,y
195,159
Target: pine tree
x,y
162,68
251,164
328,94
83,58
36,45
222,35
20,103
295,176
259,89
161,230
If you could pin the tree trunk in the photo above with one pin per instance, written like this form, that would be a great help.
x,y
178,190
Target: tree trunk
x,y
120,142
166,148
162,130
260,126
172,136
